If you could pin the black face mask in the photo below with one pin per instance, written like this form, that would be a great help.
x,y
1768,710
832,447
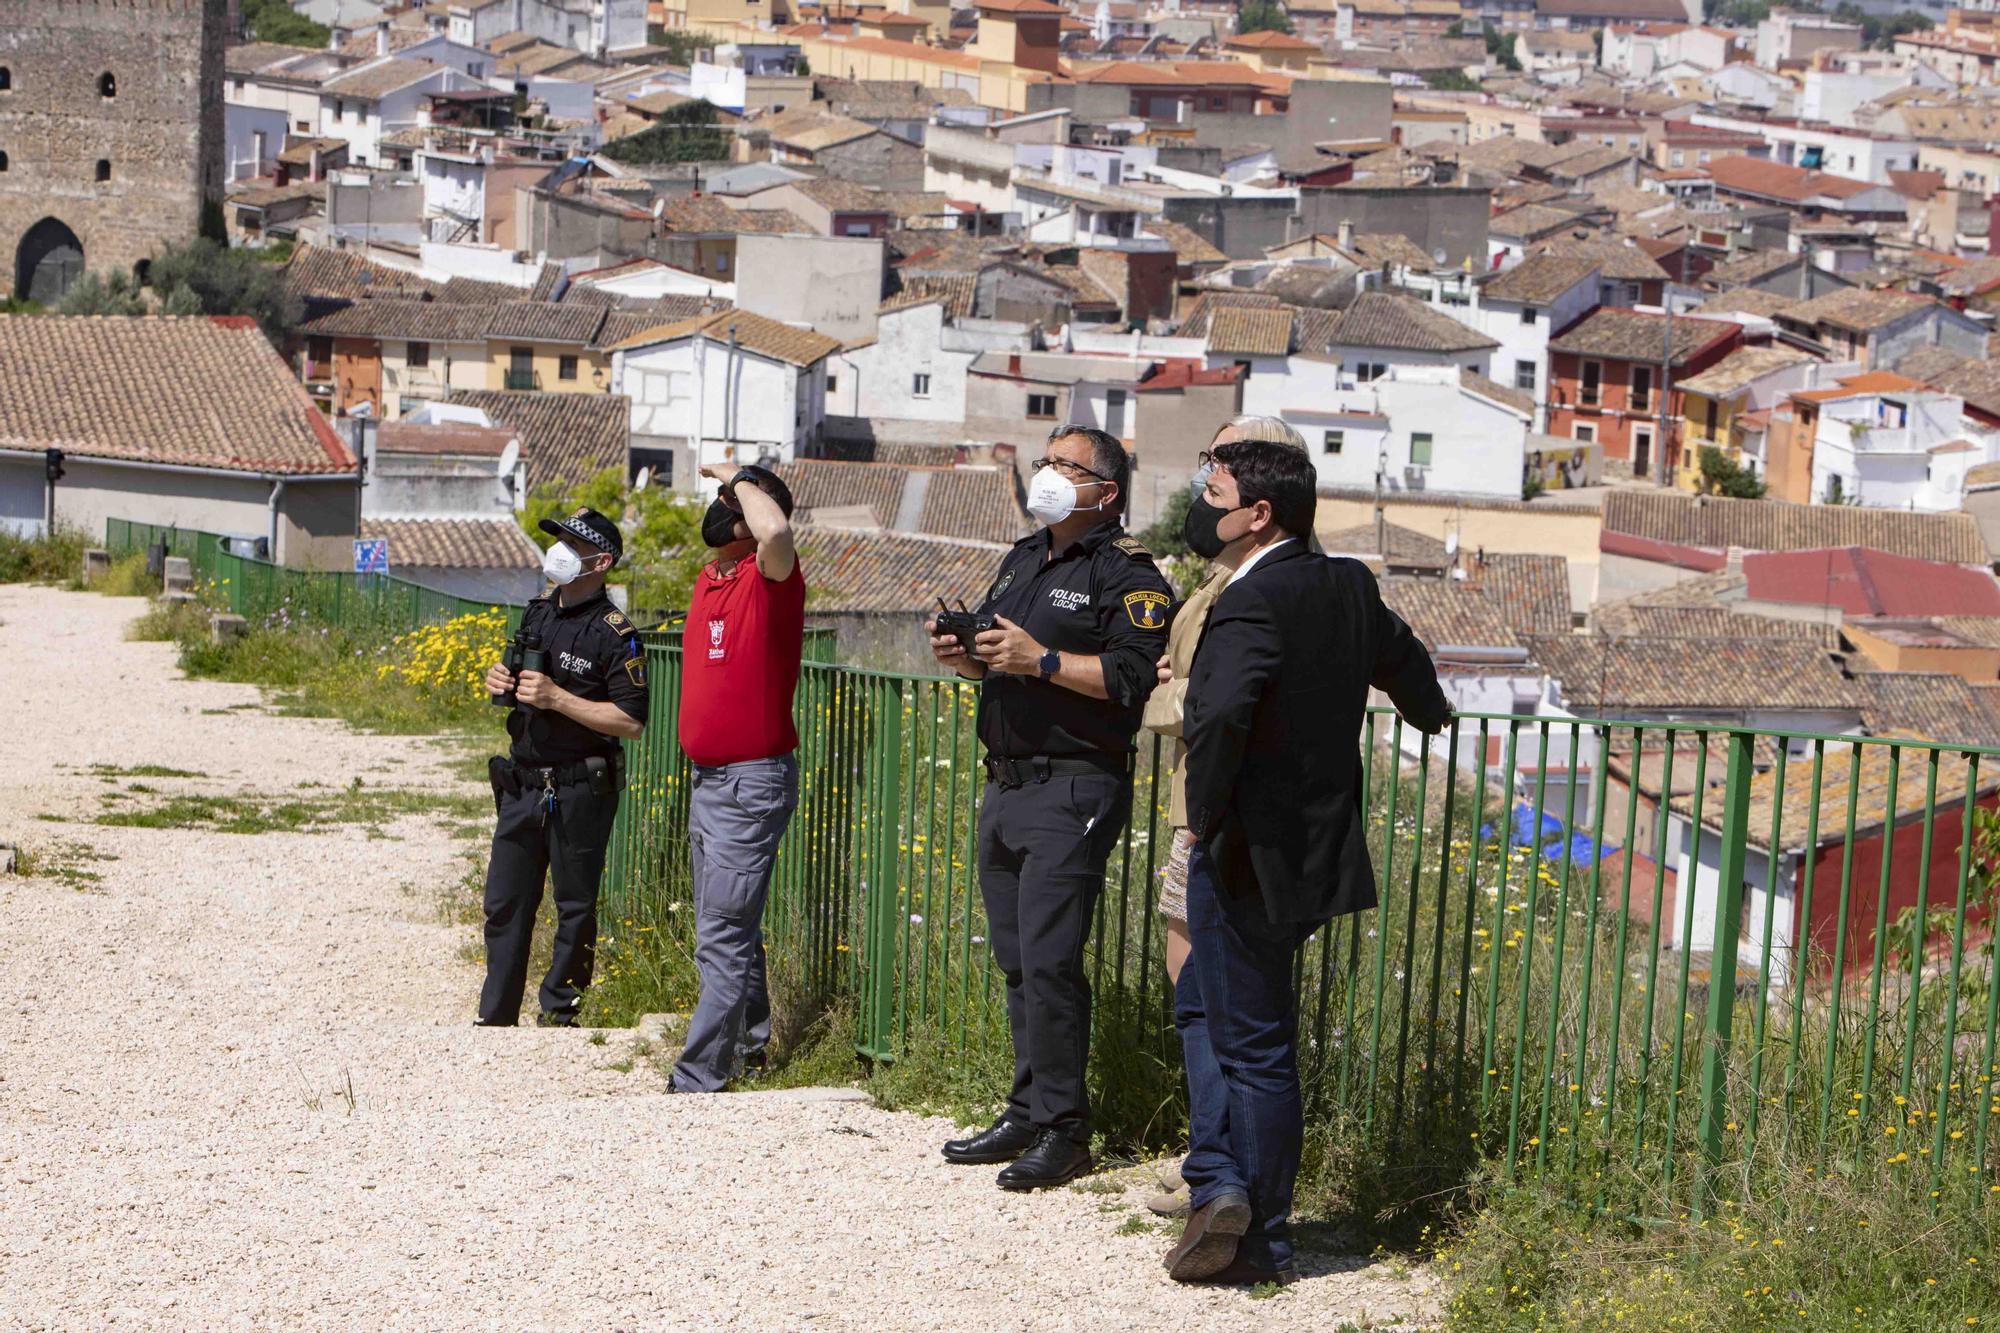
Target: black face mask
x,y
718,525
1198,529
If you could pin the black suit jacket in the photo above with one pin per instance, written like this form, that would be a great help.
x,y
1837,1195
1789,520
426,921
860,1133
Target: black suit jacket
x,y
1275,702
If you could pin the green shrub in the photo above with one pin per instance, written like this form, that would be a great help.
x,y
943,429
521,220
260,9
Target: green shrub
x,y
127,577
45,558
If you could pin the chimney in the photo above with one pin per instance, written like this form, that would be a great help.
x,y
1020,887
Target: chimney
x,y
1993,226
1346,233
382,38
1014,363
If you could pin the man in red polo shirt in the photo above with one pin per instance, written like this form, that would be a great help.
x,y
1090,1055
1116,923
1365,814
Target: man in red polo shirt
x,y
739,665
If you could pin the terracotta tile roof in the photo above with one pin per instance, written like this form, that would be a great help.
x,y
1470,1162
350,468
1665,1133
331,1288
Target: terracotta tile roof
x,y
709,214
424,321
1631,619
376,80
823,484
1861,386
1749,267
955,291
1982,630
444,437
1974,380
620,325
1404,546
1246,331
1187,243
1446,613
1625,263
455,543
1740,369
1712,523
974,504
1857,309
1636,336
811,131
1195,325
844,195
546,282
1020,6
1271,41
471,291
565,437
315,272
1381,319
853,570
545,321
252,57
1530,221
1935,706
1744,301
300,154
1776,181
1607,675
1539,278
1376,248
1474,382
189,390
1531,592
753,333
904,455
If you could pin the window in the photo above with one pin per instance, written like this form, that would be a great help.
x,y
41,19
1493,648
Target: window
x,y
420,356
1642,388
6,79
1527,314
3,159
565,367
1584,433
1632,293
833,384
1590,389
1701,158
107,84
1677,158
1041,405
1370,370
339,109
722,263
1642,451
1420,451
1336,440
103,169
920,385
1524,376
476,68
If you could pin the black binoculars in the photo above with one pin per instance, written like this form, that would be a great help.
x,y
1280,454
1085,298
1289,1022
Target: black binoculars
x,y
961,624
524,652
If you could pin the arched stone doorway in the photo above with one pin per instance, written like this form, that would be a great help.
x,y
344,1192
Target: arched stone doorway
x,y
49,260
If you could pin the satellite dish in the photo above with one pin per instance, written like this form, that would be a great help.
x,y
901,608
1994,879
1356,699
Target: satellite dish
x,y
659,208
510,458
639,482
1438,256
1450,544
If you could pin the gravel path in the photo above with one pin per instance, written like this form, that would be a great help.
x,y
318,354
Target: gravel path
x,y
239,1087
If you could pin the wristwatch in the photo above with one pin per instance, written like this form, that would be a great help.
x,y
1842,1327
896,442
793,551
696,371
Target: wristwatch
x,y
1051,663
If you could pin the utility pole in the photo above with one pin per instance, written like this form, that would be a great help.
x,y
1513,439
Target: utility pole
x,y
1667,369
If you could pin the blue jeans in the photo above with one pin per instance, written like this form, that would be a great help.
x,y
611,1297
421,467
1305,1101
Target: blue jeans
x,y
1238,1018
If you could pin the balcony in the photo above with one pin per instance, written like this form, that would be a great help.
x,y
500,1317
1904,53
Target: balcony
x,y
523,380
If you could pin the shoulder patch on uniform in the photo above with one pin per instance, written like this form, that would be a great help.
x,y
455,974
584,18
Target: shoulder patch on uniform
x,y
1133,547
618,622
1147,608
635,669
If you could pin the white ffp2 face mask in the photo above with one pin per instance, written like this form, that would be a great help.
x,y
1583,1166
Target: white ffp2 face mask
x,y
560,565
1052,496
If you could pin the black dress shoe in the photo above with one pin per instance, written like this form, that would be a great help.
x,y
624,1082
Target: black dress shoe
x,y
1244,1273
1002,1141
1055,1159
1208,1245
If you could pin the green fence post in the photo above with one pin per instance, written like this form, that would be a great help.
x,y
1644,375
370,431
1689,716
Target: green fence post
x,y
1735,836
880,903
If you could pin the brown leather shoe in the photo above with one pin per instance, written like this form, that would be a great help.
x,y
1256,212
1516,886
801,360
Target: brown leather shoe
x,y
1208,1245
1243,1273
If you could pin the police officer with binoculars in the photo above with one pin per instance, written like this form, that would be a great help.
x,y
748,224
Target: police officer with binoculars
x,y
575,680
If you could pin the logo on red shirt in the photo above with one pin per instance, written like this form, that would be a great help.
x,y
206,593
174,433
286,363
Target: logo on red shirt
x,y
716,651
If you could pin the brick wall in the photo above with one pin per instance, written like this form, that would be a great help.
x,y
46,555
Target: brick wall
x,y
161,133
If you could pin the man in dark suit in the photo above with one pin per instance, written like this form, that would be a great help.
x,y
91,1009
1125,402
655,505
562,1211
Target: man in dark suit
x,y
1275,702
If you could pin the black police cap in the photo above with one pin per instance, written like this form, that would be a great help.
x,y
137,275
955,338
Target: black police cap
x,y
589,526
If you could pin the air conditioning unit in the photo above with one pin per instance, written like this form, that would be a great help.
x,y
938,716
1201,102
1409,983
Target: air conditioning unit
x,y
1413,475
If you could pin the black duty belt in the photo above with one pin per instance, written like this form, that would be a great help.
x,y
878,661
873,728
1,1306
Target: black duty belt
x,y
1040,768
558,775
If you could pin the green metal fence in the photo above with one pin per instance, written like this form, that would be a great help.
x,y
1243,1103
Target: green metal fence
x,y
258,590
1664,956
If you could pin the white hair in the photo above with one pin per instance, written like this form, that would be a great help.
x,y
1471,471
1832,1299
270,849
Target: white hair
x,y
1271,430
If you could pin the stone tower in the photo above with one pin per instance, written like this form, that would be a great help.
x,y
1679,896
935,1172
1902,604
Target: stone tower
x,y
110,133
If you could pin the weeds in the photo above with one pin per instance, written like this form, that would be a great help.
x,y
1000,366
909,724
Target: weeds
x,y
372,808
127,577
67,863
52,558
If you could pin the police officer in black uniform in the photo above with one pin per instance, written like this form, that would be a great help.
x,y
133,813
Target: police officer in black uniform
x,y
557,793
1080,617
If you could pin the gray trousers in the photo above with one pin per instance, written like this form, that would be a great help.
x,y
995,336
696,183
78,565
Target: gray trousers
x,y
736,816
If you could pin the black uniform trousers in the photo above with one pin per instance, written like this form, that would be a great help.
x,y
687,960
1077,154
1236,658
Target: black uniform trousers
x,y
566,844
1042,851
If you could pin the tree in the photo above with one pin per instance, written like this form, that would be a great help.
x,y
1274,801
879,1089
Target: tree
x,y
1450,81
684,133
662,529
1722,475
1163,537
277,21
1262,16
682,46
1501,48
202,277
107,293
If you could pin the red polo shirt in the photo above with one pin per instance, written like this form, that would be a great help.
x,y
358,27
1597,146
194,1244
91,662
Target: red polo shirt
x,y
740,664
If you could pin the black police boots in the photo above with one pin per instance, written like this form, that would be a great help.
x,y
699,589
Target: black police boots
x,y
1002,1141
1055,1158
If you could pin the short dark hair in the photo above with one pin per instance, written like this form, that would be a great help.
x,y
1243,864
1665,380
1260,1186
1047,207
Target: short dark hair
x,y
1108,458
1277,473
772,485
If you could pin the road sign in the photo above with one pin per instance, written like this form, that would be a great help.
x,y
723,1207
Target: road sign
x,y
371,555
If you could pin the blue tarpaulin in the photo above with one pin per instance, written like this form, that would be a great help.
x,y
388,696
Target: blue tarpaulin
x,y
1579,848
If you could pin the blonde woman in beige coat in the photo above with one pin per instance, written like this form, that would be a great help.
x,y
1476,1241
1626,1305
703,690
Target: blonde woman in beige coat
x,y
1163,715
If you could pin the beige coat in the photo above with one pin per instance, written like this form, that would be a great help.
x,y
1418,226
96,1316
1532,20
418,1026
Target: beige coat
x,y
1164,705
